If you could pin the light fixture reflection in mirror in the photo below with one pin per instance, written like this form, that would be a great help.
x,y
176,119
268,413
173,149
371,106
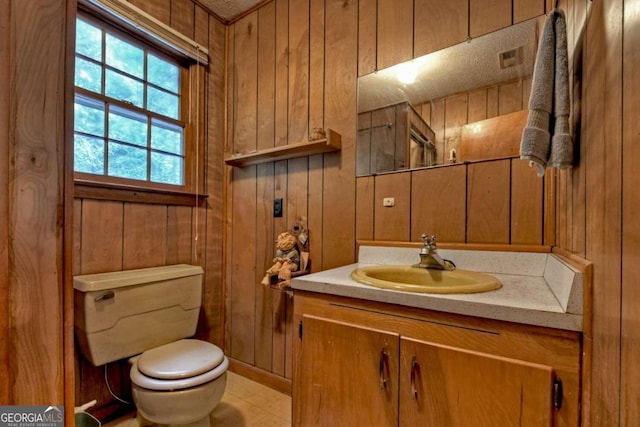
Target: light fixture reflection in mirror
x,y
506,55
407,72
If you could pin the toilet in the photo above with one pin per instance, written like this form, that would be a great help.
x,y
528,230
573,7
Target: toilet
x,y
149,316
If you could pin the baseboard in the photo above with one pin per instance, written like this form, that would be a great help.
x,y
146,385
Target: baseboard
x,y
276,382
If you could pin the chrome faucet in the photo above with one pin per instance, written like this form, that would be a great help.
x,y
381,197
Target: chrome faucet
x,y
429,257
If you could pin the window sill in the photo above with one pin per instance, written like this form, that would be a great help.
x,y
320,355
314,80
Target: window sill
x,y
85,189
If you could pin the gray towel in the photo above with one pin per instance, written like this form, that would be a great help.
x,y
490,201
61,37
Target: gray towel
x,y
549,98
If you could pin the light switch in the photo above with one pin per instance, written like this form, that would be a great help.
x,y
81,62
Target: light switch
x,y
388,202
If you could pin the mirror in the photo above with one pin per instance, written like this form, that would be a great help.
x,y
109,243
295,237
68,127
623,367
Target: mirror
x,y
463,103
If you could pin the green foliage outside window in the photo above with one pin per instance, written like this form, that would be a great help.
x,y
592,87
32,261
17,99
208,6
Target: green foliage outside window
x,y
127,109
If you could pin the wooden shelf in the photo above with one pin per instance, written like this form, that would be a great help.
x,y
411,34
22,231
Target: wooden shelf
x,y
329,144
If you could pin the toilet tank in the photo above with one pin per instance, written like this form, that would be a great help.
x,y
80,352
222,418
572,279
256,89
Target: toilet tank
x,y
124,313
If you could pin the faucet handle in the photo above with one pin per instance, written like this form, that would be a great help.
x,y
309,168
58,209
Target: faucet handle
x,y
429,242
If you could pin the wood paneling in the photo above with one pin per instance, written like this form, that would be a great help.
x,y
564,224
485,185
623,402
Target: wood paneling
x,y
159,9
367,31
180,234
395,32
298,88
488,192
202,29
526,204
214,291
338,209
245,85
101,236
264,258
439,24
317,53
631,226
282,72
279,306
146,229
603,137
242,276
486,16
265,185
183,16
5,72
393,223
35,196
463,203
597,200
438,201
525,9
316,66
365,209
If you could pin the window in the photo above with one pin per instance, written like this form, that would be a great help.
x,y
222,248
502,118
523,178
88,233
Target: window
x,y
130,117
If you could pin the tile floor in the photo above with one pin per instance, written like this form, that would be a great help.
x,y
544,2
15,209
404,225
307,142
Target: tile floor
x,y
245,404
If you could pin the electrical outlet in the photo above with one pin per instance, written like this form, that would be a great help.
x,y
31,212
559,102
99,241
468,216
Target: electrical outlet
x,y
277,208
388,202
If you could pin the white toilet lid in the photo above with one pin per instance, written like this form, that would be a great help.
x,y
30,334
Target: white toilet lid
x,y
144,381
180,359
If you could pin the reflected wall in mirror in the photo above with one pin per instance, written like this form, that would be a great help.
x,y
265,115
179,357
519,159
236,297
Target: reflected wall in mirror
x,y
463,103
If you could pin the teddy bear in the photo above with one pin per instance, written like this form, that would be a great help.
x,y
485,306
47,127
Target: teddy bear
x,y
287,260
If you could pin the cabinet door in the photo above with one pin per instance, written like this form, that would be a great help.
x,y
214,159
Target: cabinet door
x,y
348,376
445,386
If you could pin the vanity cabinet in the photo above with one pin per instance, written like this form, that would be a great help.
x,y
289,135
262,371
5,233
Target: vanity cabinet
x,y
348,375
365,363
449,386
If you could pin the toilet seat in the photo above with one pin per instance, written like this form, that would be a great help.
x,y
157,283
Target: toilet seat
x,y
179,365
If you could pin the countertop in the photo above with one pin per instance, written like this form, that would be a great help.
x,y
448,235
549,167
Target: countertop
x,y
537,288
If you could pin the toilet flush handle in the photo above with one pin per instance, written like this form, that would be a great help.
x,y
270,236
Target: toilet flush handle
x,y
106,296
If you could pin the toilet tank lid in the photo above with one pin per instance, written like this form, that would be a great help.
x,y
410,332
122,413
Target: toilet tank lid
x,y
118,279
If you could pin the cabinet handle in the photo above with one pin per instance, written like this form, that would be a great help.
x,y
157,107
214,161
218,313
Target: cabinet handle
x,y
557,393
383,361
415,368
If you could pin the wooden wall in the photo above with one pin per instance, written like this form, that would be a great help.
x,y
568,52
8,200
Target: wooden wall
x,y
588,210
599,199
5,70
308,54
32,204
496,201
293,66
116,235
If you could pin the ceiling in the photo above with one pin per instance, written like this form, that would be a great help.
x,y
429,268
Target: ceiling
x,y
229,9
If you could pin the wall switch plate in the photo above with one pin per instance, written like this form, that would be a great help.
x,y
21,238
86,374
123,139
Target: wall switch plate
x,y
388,202
277,208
